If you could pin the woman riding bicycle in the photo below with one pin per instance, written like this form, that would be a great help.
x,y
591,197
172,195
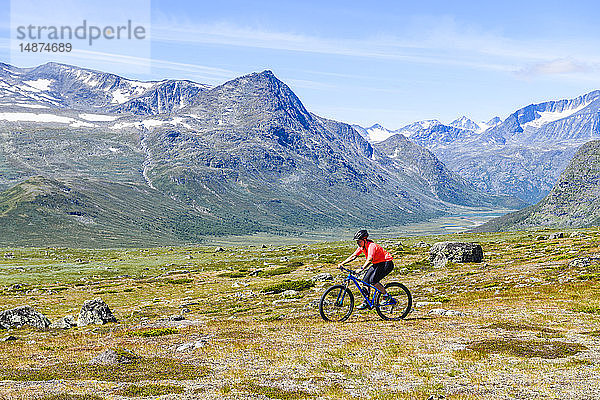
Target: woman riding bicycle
x,y
379,264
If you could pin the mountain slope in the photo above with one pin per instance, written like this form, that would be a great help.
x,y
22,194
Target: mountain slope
x,y
94,213
447,185
242,157
523,155
375,133
55,85
569,119
260,152
573,202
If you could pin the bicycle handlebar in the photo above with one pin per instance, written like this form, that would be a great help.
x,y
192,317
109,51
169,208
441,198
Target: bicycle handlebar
x,y
348,270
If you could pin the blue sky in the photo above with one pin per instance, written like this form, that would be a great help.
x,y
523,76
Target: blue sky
x,y
391,62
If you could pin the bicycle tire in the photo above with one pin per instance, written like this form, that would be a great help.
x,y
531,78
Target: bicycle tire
x,y
329,310
401,308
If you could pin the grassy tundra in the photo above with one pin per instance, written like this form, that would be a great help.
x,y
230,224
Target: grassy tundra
x,y
530,329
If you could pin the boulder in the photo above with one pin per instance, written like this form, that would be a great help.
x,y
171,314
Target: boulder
x,y
196,344
112,357
95,312
67,322
192,345
21,316
422,245
557,235
422,304
322,277
584,262
446,313
443,252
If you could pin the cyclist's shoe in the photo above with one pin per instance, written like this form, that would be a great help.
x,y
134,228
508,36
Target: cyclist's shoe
x,y
364,306
388,300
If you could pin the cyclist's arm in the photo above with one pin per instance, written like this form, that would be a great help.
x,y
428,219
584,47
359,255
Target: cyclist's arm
x,y
367,264
347,260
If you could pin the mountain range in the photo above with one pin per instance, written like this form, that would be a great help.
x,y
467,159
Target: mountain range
x,y
573,202
91,159
522,155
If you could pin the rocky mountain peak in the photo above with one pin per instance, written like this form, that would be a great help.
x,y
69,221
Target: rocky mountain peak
x,y
494,121
465,123
259,95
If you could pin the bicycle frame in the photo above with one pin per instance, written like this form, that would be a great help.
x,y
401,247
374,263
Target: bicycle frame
x,y
356,281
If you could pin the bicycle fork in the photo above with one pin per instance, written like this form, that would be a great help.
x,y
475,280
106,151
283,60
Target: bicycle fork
x,y
340,299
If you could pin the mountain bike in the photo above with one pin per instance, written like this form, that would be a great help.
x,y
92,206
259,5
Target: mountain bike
x,y
337,302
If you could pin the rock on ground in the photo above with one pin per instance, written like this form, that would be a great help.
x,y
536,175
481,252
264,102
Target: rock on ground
x,y
584,262
23,315
95,312
322,277
66,322
446,313
111,357
422,304
443,252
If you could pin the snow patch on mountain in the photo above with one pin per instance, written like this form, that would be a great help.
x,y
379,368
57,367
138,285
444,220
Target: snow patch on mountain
x,y
98,117
40,84
33,117
151,123
79,124
119,97
44,118
135,89
544,117
378,133
415,127
28,105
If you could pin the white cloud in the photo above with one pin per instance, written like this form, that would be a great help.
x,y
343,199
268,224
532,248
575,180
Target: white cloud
x,y
380,47
558,66
435,41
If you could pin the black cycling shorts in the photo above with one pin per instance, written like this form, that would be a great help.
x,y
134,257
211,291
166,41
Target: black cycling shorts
x,y
377,272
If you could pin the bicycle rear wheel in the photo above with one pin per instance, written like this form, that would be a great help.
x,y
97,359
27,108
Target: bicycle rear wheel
x,y
398,307
336,303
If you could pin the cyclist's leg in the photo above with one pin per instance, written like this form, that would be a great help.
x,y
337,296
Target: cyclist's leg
x,y
366,290
369,275
380,271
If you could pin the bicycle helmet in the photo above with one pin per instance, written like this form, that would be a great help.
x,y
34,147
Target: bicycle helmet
x,y
361,234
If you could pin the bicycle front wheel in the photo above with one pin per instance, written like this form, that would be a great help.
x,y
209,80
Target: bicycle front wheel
x,y
336,303
400,304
